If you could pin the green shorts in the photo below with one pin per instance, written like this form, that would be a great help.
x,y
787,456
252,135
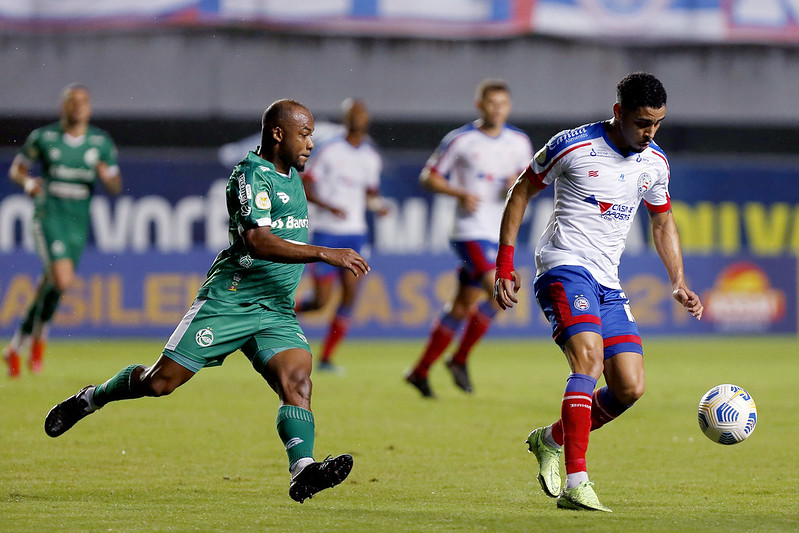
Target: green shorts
x,y
213,329
59,238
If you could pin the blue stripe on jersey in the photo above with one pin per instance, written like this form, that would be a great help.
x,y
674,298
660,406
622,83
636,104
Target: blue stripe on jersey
x,y
454,134
514,128
450,137
658,149
567,138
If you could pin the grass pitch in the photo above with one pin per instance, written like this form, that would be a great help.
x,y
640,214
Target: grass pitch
x,y
207,458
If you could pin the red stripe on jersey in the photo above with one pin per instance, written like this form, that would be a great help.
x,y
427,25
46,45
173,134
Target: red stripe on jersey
x,y
659,208
664,160
560,156
534,178
612,341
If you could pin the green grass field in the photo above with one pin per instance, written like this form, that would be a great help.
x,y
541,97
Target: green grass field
x,y
208,458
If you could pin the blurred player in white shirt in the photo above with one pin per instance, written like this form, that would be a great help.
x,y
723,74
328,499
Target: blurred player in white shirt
x,y
476,164
342,179
601,173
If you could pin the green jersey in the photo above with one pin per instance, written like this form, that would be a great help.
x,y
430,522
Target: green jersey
x,y
257,195
69,170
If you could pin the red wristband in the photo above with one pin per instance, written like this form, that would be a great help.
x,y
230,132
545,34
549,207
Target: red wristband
x,y
504,262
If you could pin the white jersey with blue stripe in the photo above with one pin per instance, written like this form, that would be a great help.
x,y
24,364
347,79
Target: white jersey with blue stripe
x,y
597,192
484,166
342,174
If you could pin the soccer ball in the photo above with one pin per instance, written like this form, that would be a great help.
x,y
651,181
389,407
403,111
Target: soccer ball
x,y
727,414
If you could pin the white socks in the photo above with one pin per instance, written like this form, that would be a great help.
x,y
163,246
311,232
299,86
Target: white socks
x,y
572,480
299,465
548,440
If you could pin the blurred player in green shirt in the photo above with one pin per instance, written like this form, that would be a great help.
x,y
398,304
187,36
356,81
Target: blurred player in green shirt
x,y
247,302
71,156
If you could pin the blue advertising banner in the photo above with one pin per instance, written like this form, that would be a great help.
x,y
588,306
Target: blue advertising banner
x,y
175,203
636,21
145,295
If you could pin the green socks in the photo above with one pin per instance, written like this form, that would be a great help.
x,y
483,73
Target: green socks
x,y
116,388
295,426
42,308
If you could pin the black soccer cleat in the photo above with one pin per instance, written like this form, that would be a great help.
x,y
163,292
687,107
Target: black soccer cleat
x,y
66,414
460,375
320,476
421,384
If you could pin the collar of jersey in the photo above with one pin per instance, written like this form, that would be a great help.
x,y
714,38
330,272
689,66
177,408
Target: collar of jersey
x,y
268,164
261,161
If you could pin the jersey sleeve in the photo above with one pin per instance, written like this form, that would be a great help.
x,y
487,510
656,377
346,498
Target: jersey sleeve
x,y
374,178
108,153
547,163
443,159
554,158
30,149
656,188
255,199
525,154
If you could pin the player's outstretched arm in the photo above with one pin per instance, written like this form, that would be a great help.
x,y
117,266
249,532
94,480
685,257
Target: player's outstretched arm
x,y
667,244
507,281
263,244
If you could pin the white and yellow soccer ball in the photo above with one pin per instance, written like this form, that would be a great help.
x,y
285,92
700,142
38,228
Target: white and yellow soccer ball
x,y
727,414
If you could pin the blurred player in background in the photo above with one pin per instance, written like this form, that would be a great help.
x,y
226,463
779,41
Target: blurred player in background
x,y
343,180
247,302
476,164
601,172
71,155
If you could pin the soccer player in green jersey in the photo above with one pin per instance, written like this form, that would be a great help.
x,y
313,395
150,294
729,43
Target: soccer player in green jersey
x,y
247,302
71,156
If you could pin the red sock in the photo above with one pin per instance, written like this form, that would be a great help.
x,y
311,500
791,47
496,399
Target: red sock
x,y
338,330
440,337
575,412
478,325
604,408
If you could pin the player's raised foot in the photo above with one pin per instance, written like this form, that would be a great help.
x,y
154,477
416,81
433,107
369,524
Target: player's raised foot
x,y
37,356
67,413
581,498
460,375
548,462
319,476
420,383
12,361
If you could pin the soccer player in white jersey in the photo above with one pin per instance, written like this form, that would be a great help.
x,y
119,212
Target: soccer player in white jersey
x,y
476,164
601,173
343,180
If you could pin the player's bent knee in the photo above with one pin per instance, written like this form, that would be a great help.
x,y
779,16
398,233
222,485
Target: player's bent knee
x,y
631,393
297,386
587,364
161,387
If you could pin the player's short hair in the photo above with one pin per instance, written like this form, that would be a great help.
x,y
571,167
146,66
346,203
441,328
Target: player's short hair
x,y
277,114
640,89
72,87
489,85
